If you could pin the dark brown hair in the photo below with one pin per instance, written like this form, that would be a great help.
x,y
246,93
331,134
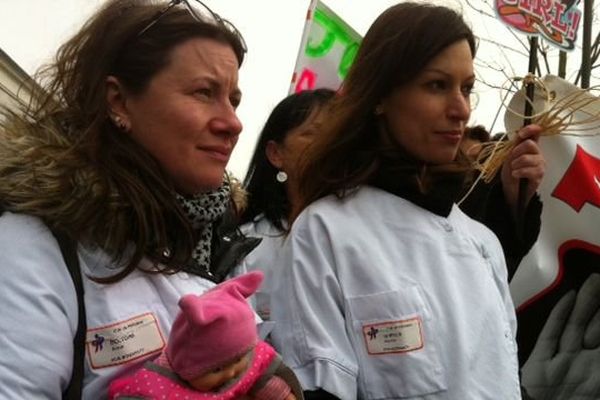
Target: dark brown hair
x,y
265,195
477,132
133,212
399,44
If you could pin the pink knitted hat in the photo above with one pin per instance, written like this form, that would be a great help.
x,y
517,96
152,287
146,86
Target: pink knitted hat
x,y
214,328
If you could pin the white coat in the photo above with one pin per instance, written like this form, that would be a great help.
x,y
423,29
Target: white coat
x,y
127,322
266,258
383,299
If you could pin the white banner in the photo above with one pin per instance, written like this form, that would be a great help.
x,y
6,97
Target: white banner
x,y
326,52
557,286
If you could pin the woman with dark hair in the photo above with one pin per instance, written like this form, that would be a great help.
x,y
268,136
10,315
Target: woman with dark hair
x,y
271,180
289,129
388,290
122,160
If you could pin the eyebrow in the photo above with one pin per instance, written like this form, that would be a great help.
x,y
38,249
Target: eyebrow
x,y
214,83
439,71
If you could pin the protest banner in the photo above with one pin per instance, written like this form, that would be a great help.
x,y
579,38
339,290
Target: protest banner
x,y
556,287
327,50
557,21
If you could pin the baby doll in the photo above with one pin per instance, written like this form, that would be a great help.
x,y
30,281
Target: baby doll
x,y
213,352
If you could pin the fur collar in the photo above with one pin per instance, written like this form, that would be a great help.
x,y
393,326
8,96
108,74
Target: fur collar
x,y
45,174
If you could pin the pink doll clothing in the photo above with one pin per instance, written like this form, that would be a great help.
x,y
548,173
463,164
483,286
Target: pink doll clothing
x,y
154,381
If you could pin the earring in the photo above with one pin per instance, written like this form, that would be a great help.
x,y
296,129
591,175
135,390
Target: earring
x,y
120,124
378,110
281,177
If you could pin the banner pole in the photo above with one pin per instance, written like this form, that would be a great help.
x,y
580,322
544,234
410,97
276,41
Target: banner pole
x,y
523,182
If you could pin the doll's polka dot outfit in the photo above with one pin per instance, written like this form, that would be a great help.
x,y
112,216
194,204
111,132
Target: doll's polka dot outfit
x,y
156,381
210,331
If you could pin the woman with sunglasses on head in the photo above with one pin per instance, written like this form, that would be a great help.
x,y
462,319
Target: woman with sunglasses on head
x,y
271,181
123,156
388,290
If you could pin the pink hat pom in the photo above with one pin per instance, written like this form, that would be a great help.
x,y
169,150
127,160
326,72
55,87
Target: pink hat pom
x,y
214,328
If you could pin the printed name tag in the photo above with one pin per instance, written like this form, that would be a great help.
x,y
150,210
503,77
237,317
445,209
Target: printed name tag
x,y
124,341
393,336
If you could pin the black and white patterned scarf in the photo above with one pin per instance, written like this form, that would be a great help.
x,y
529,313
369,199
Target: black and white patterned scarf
x,y
202,211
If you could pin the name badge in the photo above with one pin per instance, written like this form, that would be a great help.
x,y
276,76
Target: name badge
x,y
124,341
393,336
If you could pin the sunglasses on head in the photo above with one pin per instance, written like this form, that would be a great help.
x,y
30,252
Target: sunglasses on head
x,y
202,13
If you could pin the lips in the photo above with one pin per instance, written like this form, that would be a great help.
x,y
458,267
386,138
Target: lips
x,y
453,135
221,153
452,132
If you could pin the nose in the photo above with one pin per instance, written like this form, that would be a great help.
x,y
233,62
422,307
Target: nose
x,y
226,122
233,372
459,107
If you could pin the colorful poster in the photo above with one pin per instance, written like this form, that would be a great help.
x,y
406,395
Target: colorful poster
x,y
557,21
327,50
556,288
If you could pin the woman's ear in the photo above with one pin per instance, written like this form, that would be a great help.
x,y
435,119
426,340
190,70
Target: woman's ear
x,y
273,153
116,104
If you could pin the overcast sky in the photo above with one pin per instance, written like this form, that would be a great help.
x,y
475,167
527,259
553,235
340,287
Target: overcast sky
x,y
31,30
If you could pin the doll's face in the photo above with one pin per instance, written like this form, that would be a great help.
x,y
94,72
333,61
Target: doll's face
x,y
217,377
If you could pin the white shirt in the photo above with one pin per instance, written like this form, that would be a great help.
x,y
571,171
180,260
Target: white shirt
x,y
382,299
127,322
265,257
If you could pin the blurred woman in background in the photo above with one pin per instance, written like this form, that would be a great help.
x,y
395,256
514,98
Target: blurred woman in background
x,y
272,180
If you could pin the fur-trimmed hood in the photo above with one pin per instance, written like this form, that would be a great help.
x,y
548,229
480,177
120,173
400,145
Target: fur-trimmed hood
x,y
45,173
42,174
